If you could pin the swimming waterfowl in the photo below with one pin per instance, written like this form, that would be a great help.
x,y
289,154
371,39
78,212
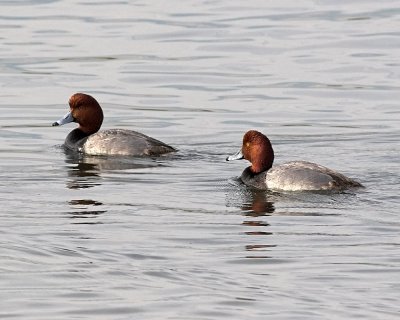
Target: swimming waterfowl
x,y
290,176
86,111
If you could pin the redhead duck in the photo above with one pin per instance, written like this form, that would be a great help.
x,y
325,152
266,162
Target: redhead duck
x,y
291,176
86,111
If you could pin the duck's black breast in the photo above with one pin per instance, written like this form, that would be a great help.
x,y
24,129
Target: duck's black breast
x,y
75,140
254,180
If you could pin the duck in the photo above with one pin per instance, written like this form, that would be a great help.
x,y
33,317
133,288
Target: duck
x,y
87,139
290,176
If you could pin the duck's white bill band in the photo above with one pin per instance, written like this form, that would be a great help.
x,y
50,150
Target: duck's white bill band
x,y
237,156
66,119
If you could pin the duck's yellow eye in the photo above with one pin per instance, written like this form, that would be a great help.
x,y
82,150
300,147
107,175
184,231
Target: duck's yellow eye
x,y
247,144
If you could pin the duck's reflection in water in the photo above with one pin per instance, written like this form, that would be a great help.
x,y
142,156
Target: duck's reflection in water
x,y
252,202
258,202
83,212
256,205
85,171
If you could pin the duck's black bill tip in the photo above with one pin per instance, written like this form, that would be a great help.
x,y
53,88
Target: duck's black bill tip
x,y
54,124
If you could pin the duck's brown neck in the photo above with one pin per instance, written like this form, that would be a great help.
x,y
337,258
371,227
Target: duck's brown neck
x,y
89,129
261,166
89,121
264,162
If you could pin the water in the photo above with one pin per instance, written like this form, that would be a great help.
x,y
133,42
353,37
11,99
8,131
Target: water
x,y
179,237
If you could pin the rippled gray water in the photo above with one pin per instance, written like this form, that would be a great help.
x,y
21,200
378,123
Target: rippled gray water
x,y
178,237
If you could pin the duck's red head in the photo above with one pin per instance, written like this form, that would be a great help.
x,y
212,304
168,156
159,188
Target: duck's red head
x,y
257,149
85,110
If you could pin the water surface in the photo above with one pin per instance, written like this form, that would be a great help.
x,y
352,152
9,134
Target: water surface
x,y
179,237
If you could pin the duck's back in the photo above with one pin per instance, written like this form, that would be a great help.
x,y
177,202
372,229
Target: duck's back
x,y
303,175
123,142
